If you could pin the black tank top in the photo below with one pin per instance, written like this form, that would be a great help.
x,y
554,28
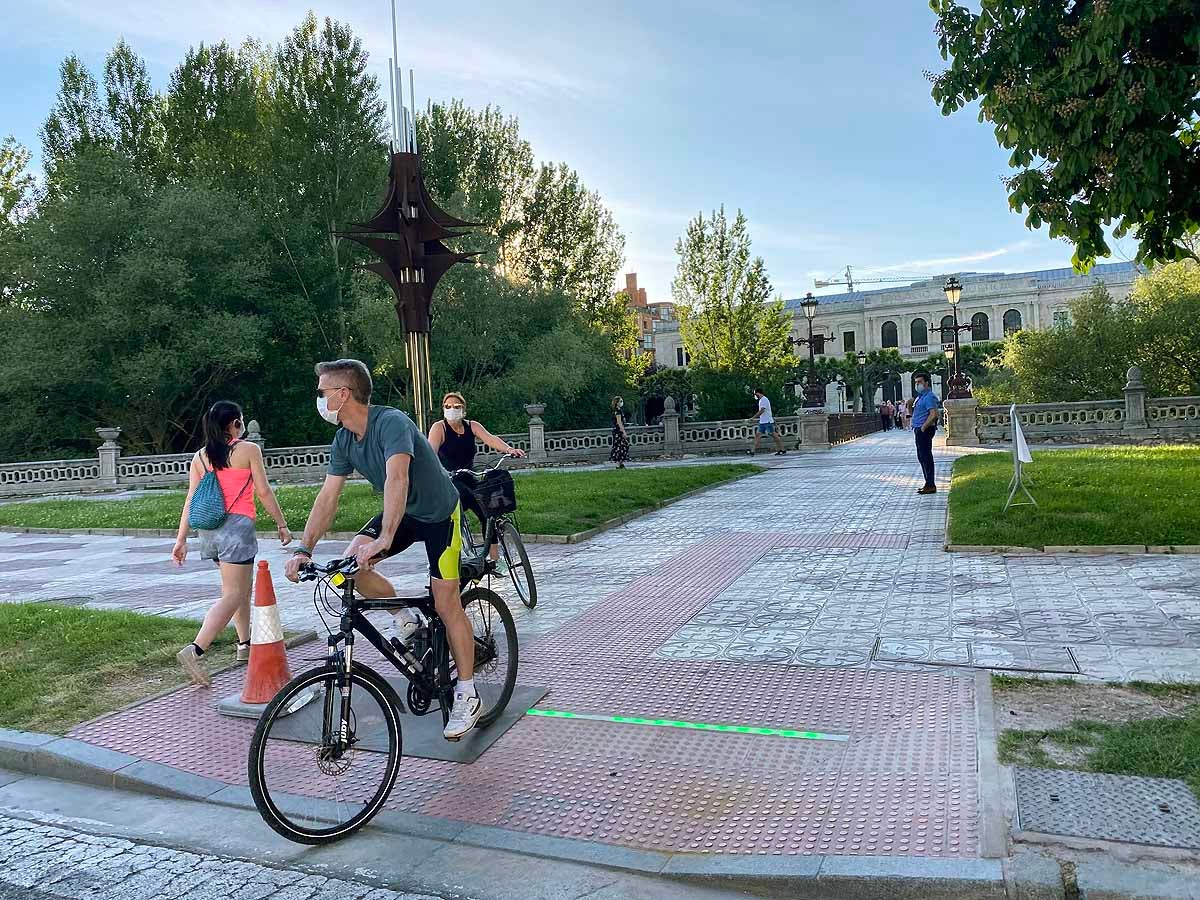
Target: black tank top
x,y
457,450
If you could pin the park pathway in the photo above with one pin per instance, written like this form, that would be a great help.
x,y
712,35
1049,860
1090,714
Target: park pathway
x,y
816,597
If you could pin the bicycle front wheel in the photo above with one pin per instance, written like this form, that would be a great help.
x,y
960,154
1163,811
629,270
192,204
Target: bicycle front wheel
x,y
519,569
315,775
495,650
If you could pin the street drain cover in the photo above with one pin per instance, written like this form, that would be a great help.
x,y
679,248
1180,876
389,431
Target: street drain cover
x,y
1160,812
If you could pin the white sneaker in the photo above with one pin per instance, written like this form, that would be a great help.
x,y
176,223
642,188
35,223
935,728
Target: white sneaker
x,y
407,622
463,716
501,567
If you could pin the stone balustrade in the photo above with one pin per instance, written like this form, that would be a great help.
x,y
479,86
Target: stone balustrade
x,y
1135,419
671,437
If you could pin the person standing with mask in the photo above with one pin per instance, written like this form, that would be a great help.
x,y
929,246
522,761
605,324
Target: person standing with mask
x,y
233,545
620,437
454,440
924,423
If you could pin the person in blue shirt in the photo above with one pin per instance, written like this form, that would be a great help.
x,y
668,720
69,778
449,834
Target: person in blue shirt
x,y
924,422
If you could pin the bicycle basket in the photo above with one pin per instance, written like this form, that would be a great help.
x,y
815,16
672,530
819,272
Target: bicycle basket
x,y
495,493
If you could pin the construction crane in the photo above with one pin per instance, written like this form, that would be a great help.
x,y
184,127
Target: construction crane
x,y
850,280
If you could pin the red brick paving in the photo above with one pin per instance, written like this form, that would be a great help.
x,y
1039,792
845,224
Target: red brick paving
x,y
904,784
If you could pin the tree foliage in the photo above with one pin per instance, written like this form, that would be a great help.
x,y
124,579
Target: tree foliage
x,y
181,250
727,319
1099,102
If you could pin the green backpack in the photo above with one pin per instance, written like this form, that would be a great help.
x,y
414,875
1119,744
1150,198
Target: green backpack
x,y
207,511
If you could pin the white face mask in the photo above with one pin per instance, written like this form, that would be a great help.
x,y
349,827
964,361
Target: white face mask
x,y
323,410
453,415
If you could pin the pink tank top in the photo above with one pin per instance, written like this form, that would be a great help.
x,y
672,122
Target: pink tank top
x,y
234,482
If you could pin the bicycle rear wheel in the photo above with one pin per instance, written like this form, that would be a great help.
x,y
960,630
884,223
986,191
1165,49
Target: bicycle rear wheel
x,y
519,569
495,650
314,778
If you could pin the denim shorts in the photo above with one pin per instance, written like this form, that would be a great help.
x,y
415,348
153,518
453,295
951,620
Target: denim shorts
x,y
766,427
234,542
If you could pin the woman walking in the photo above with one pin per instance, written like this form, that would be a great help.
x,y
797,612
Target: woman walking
x,y
238,466
454,440
620,437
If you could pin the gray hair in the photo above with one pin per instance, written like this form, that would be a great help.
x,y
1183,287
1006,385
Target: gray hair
x,y
358,376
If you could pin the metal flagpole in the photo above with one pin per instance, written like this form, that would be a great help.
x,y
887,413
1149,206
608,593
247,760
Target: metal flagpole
x,y
412,102
392,86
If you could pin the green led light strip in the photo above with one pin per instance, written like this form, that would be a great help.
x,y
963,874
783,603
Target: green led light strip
x,y
694,726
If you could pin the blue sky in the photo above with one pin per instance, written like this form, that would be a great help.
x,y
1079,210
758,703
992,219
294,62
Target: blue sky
x,y
812,117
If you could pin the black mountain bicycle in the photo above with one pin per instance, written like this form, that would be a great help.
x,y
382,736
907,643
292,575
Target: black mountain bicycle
x,y
494,490
327,749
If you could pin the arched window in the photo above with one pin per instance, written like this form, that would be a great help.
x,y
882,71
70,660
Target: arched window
x,y
947,332
1012,321
980,330
888,336
918,333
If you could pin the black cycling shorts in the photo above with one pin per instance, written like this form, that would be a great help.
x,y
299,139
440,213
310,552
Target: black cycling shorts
x,y
442,540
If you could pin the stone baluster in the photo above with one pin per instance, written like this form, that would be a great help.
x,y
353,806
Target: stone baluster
x,y
670,420
254,434
537,432
109,452
1135,401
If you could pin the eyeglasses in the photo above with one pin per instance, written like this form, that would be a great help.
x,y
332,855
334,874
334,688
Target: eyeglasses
x,y
340,387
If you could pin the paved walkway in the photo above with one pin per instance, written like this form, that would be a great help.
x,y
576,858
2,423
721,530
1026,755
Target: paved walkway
x,y
814,597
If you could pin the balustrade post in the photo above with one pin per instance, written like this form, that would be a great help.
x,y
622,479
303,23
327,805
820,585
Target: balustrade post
x,y
670,420
254,434
960,422
814,430
1135,401
109,452
537,432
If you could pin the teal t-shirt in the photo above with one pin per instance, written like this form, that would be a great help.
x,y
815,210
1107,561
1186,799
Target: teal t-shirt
x,y
431,494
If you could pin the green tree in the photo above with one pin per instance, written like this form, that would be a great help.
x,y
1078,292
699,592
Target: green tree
x,y
1166,307
16,187
1098,103
76,121
722,295
134,110
477,164
1084,360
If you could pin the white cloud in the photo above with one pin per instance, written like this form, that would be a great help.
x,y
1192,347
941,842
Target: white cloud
x,y
942,263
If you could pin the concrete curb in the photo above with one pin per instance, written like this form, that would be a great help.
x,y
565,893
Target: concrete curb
x,y
577,537
817,877
1078,549
993,824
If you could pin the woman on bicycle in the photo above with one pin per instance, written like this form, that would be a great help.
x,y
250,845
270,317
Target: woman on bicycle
x,y
239,468
454,437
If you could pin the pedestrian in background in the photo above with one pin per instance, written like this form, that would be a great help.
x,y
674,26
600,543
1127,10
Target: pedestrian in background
x,y
766,424
924,422
620,437
239,470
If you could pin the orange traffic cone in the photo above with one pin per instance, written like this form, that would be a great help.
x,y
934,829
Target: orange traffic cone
x,y
268,668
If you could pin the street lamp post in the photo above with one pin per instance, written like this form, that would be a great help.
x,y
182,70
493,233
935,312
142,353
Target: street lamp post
x,y
814,393
862,370
960,384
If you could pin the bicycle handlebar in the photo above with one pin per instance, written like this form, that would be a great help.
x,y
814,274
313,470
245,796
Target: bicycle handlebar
x,y
347,565
500,462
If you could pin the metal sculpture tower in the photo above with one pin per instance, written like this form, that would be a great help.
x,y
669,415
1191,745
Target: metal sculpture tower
x,y
406,234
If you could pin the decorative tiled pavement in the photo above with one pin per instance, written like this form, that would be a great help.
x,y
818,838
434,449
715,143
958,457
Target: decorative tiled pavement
x,y
815,597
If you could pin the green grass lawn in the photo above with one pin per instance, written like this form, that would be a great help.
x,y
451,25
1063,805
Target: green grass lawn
x,y
1109,495
1166,747
548,502
62,665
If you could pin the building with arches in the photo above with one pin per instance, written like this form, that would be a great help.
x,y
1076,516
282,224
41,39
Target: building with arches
x,y
910,318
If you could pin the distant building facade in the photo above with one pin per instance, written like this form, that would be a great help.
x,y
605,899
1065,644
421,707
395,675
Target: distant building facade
x,y
650,316
908,319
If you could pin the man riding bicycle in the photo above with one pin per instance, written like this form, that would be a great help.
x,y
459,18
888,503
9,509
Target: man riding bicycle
x,y
420,504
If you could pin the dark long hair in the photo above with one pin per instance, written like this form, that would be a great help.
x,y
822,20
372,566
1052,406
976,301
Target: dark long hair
x,y
216,440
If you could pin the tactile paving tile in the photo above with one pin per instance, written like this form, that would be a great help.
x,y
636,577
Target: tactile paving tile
x,y
1161,812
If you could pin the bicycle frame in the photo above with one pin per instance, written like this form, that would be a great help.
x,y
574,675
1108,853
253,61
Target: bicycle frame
x,y
418,672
